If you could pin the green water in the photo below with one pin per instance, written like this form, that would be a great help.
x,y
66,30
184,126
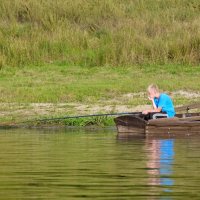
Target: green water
x,y
69,164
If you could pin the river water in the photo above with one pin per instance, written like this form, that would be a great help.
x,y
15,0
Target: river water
x,y
94,164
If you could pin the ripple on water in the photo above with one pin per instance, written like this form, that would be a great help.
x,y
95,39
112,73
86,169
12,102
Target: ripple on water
x,y
37,164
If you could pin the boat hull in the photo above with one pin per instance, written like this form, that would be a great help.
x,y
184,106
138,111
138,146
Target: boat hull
x,y
167,127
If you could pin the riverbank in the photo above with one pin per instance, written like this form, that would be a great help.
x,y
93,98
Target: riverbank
x,y
38,92
16,114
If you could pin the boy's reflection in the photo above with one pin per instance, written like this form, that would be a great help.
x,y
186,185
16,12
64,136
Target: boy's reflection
x,y
160,159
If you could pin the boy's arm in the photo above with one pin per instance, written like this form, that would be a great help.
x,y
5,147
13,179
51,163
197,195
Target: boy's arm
x,y
154,105
152,111
155,109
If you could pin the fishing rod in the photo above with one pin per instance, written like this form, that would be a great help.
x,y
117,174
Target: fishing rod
x,y
105,114
83,116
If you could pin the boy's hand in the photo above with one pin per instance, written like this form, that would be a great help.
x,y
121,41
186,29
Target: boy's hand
x,y
151,99
145,112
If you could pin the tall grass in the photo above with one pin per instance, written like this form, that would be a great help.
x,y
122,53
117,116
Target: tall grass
x,y
99,32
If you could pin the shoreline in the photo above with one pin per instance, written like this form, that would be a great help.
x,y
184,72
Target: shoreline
x,y
56,127
24,115
52,91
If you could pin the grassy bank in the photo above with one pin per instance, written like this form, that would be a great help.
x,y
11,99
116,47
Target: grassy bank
x,y
58,90
69,84
99,33
61,58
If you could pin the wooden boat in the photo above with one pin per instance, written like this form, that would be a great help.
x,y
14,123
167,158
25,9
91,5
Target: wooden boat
x,y
183,124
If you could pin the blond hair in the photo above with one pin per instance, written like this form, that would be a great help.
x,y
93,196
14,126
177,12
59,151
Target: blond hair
x,y
153,87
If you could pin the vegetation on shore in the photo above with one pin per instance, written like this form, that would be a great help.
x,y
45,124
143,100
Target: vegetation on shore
x,y
60,90
100,121
75,57
74,84
99,33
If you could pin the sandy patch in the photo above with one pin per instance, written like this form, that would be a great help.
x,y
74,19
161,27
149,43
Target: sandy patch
x,y
182,93
37,110
20,111
186,94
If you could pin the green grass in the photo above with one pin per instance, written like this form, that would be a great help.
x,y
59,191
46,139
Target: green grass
x,y
63,89
94,52
75,122
65,84
99,33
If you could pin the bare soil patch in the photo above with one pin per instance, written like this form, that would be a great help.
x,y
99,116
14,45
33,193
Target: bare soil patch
x,y
21,112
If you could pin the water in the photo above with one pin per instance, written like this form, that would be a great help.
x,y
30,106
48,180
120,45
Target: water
x,y
69,164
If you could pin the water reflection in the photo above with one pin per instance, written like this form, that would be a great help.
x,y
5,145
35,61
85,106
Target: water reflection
x,y
94,165
160,155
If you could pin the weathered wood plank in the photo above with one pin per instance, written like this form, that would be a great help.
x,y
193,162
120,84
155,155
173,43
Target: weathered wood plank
x,y
162,120
129,120
185,124
130,129
193,118
185,115
188,107
173,123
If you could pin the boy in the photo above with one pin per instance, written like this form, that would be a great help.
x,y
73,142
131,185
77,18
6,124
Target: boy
x,y
162,103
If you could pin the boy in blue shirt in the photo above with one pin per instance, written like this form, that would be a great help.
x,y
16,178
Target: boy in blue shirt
x,y
162,103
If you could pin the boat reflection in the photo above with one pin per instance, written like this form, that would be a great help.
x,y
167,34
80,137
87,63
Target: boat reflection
x,y
160,155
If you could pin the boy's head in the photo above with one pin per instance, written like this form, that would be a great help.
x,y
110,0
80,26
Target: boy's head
x,y
153,91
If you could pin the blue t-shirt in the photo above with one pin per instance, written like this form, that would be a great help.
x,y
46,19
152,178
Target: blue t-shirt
x,y
165,103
